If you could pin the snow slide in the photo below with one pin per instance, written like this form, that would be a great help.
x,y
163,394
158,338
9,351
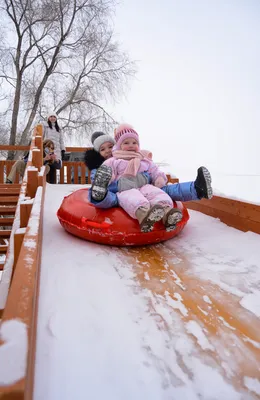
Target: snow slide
x,y
178,320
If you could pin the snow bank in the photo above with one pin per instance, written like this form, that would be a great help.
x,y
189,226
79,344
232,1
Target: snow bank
x,y
13,352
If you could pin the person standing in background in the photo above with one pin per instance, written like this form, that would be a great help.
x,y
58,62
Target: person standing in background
x,y
53,132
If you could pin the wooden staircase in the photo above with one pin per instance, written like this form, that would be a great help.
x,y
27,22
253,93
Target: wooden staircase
x,y
9,195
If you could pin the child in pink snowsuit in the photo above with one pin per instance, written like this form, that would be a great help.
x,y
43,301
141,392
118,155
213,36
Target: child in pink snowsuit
x,y
148,204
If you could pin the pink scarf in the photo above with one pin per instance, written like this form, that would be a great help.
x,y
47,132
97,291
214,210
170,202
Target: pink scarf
x,y
134,160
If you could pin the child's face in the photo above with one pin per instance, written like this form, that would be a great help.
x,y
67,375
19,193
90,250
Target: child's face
x,y
106,150
129,144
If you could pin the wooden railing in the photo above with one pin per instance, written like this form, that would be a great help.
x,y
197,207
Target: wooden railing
x,y
71,171
238,214
19,283
74,172
5,168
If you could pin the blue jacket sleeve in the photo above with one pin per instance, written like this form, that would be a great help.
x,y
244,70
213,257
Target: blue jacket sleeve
x,y
92,175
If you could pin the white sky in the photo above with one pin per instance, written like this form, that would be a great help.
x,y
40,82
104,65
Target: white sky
x,y
197,94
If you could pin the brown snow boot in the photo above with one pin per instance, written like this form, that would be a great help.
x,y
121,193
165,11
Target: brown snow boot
x,y
171,217
148,217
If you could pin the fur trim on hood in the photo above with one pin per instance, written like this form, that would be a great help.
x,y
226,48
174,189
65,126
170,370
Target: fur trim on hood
x,y
93,159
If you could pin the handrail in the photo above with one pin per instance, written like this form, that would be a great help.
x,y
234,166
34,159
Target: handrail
x,y
12,147
238,214
21,148
22,275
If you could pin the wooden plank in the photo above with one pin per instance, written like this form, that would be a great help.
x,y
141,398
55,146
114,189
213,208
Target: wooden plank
x,y
76,172
228,217
1,172
8,185
6,221
18,241
32,183
224,321
5,200
62,174
69,173
25,211
10,190
77,149
6,165
172,180
79,172
83,173
22,301
7,210
37,158
236,207
3,248
5,233
16,148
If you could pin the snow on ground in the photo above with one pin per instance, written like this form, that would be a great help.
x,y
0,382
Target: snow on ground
x,y
13,333
147,323
241,187
225,256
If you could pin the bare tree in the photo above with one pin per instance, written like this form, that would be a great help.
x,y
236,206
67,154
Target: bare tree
x,y
65,55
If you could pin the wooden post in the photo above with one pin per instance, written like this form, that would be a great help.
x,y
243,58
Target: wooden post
x,y
83,173
39,130
2,171
32,184
25,211
37,158
38,144
18,240
42,177
172,180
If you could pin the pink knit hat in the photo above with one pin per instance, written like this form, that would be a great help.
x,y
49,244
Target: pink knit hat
x,y
125,131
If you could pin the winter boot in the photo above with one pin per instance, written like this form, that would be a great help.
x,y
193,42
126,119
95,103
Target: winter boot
x,y
203,184
171,217
101,182
148,217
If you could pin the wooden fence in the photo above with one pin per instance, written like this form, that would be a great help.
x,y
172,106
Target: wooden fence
x,y
238,214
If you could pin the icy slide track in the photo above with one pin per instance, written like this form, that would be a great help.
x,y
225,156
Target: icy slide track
x,y
178,320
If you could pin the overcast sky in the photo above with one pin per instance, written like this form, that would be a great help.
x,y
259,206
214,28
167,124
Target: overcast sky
x,y
196,97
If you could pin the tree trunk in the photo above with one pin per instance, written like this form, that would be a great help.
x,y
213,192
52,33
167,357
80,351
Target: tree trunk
x,y
17,98
34,109
15,117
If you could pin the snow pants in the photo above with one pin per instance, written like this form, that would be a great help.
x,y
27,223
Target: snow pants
x,y
146,196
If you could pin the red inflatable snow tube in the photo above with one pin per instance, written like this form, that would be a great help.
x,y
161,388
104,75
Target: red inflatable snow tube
x,y
110,226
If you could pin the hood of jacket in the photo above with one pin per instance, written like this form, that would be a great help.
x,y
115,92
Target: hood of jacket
x,y
93,159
